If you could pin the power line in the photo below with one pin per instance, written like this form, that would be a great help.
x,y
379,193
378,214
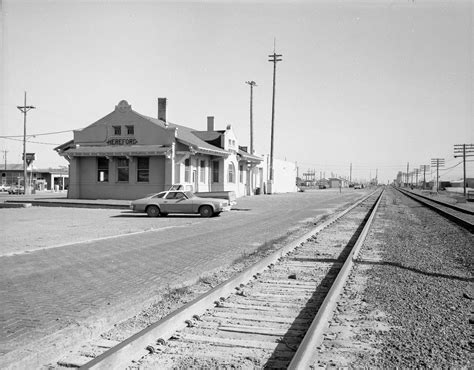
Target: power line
x,y
43,134
30,141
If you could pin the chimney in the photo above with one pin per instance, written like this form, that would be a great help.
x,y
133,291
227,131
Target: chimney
x,y
162,109
210,123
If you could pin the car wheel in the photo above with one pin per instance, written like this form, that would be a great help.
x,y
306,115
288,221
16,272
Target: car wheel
x,y
153,211
206,211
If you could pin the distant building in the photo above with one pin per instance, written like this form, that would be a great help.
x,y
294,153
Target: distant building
x,y
335,182
41,178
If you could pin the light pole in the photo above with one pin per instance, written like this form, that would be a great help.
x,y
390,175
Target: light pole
x,y
24,109
251,84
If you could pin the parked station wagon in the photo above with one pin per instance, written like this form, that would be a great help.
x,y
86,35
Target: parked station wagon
x,y
179,201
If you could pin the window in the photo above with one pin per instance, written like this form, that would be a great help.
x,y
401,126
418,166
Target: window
x,y
117,130
122,169
187,170
202,171
241,174
215,171
143,169
102,169
231,173
130,130
171,195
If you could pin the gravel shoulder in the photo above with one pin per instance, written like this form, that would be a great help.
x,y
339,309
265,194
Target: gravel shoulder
x,y
409,301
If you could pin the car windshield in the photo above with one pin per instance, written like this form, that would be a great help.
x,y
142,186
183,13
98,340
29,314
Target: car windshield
x,y
189,194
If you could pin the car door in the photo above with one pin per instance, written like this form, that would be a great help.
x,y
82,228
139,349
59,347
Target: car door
x,y
182,203
176,202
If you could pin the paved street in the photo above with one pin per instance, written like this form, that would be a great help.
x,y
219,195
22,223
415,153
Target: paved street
x,y
91,284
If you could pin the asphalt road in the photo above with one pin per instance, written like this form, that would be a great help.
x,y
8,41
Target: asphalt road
x,y
104,265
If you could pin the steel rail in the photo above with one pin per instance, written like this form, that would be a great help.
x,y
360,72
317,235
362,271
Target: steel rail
x,y
457,220
314,336
134,347
456,208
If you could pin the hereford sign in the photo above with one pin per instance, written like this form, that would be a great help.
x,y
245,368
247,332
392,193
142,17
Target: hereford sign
x,y
122,142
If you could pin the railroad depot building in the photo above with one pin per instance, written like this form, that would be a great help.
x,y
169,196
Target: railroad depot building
x,y
126,155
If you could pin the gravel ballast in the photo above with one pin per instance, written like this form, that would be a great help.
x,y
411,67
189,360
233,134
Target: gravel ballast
x,y
411,293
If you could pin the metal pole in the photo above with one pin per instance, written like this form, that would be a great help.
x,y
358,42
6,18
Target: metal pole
x,y
24,150
252,84
464,167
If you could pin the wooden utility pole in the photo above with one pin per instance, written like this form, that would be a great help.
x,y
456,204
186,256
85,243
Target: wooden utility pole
x,y
425,168
438,162
5,156
274,58
350,175
408,166
24,109
464,150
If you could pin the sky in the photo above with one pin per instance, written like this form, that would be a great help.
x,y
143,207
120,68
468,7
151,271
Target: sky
x,y
378,84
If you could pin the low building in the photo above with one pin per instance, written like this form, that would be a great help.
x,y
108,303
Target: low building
x,y
126,155
40,178
335,182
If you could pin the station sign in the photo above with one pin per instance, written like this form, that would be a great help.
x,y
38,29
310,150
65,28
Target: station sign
x,y
122,142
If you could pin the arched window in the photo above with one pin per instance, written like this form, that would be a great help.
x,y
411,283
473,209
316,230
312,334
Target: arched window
x,y
231,177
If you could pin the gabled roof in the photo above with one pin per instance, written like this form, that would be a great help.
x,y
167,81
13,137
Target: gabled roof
x,y
196,140
188,137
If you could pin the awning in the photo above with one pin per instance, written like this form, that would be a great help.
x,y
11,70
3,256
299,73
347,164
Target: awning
x,y
249,157
117,151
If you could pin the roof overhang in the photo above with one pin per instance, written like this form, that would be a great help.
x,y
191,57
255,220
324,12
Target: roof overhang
x,y
249,157
117,151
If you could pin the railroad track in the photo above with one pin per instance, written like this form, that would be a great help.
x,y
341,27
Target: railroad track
x,y
460,216
273,314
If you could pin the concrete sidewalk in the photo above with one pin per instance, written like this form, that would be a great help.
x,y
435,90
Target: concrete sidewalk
x,y
61,200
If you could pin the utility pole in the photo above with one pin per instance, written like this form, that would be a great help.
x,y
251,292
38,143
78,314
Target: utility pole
x,y
274,58
416,174
464,150
425,168
350,175
24,109
376,176
438,162
252,84
5,156
408,166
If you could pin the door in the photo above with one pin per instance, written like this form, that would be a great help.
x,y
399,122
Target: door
x,y
177,202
